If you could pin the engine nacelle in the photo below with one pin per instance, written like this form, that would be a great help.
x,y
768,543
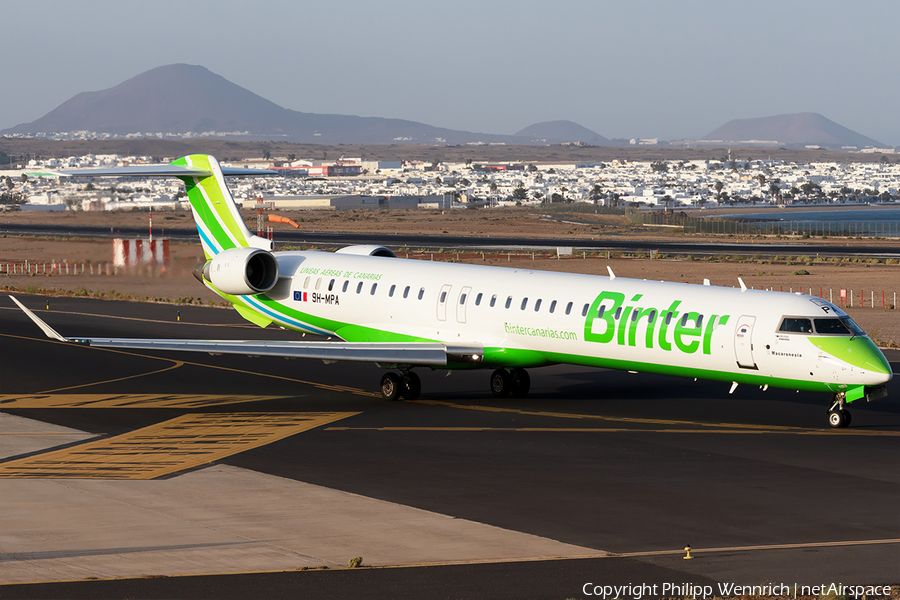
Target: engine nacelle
x,y
242,271
366,250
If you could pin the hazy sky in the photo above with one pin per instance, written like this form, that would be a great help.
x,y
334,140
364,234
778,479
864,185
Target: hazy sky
x,y
624,69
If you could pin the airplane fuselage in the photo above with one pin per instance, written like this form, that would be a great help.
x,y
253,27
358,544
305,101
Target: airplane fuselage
x,y
528,318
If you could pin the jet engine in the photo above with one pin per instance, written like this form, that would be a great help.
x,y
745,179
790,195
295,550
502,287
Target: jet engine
x,y
367,250
242,271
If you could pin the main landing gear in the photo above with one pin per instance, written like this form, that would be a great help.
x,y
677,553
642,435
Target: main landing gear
x,y
408,386
838,416
515,382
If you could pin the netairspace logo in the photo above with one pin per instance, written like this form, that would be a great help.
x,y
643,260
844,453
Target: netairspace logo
x,y
702,592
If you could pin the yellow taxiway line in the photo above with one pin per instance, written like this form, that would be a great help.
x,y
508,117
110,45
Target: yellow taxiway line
x,y
856,432
182,443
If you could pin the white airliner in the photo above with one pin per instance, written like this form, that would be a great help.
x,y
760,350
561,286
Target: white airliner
x,y
403,314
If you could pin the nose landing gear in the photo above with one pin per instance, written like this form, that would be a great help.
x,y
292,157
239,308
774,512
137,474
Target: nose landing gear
x,y
838,416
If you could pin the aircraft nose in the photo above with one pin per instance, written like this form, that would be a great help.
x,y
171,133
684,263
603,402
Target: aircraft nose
x,y
862,353
870,358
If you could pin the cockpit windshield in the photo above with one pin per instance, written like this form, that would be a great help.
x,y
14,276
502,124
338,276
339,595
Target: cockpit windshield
x,y
795,325
831,326
823,326
853,327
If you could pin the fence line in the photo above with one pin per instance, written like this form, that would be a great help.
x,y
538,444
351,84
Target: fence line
x,y
846,297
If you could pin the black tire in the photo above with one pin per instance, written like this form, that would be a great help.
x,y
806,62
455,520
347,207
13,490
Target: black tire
x,y
391,386
521,383
836,418
501,383
847,418
412,386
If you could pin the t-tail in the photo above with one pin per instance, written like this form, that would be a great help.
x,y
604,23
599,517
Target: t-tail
x,y
218,221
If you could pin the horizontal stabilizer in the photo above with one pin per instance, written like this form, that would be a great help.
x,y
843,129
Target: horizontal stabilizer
x,y
159,171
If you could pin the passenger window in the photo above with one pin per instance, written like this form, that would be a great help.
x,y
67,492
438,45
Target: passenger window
x,y
508,302
374,285
537,305
634,315
421,293
524,303
391,291
306,283
359,287
331,285
618,313
318,283
568,308
493,300
795,325
462,299
346,285
601,310
684,318
443,297
478,299
584,311
406,291
553,306
668,318
700,321
831,327
652,316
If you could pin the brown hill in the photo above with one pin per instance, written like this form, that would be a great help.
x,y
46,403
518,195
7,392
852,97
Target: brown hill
x,y
798,129
181,99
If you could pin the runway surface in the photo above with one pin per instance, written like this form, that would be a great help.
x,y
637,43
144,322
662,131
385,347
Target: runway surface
x,y
397,240
597,477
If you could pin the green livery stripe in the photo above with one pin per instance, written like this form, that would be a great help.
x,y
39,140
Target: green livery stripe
x,y
518,357
207,196
206,215
346,331
253,316
859,351
526,358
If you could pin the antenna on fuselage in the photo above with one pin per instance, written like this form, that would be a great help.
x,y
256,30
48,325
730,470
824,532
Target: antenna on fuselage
x,y
743,286
611,274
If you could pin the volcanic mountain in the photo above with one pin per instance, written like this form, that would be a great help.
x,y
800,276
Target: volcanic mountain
x,y
798,129
556,132
180,98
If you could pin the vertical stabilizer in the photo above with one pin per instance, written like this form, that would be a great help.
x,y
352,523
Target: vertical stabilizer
x,y
218,220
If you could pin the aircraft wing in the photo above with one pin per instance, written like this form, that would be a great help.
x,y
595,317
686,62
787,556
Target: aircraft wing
x,y
407,353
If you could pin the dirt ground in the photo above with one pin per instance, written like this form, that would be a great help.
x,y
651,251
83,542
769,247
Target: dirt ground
x,y
508,221
176,284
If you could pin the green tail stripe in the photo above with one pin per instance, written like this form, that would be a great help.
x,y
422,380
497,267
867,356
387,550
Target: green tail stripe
x,y
215,214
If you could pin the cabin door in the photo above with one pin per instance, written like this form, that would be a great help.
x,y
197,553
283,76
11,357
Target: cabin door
x,y
461,304
743,342
443,298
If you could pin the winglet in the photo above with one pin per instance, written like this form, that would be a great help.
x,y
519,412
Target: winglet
x,y
611,274
48,331
743,285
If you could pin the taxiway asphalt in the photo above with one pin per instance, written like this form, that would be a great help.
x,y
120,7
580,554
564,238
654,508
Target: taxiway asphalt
x,y
622,470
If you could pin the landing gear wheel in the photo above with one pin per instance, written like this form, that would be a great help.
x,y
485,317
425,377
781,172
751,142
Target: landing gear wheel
x,y
521,383
391,386
412,386
847,417
501,383
838,418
